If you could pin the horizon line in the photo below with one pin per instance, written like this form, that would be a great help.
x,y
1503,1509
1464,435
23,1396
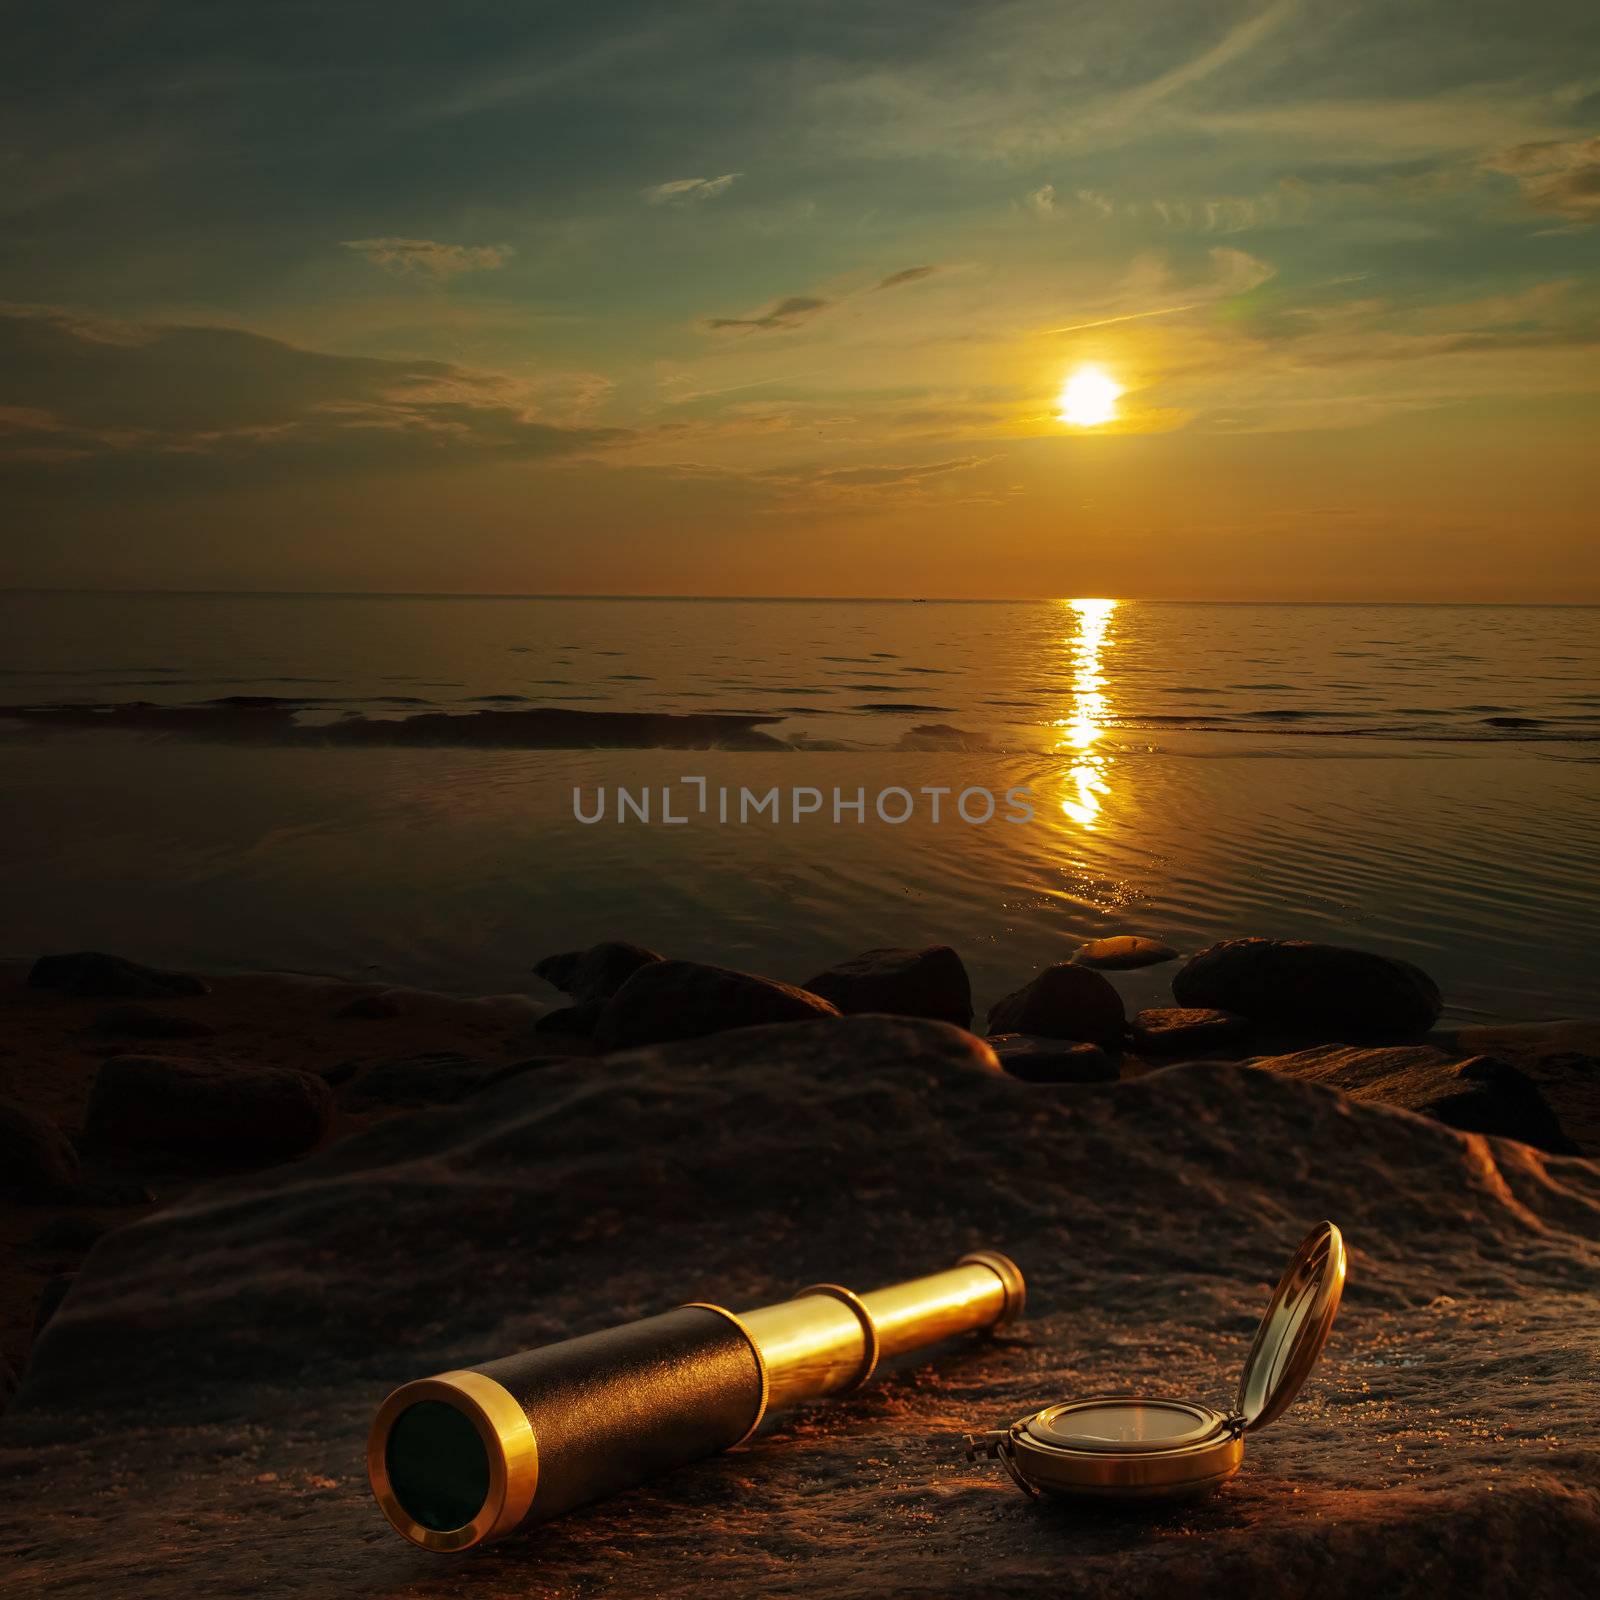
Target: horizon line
x,y
756,599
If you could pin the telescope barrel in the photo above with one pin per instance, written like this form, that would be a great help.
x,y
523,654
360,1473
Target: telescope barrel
x,y
471,1455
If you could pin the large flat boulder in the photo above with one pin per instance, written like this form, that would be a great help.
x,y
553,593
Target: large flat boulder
x,y
1479,1095
669,1000
1326,989
194,1418
931,982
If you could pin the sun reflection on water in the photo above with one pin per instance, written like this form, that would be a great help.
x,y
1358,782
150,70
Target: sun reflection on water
x,y
1081,729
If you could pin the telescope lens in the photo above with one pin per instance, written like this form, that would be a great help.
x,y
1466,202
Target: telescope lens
x,y
438,1468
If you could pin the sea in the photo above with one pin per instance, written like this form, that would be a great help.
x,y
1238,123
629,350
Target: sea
x,y
1419,780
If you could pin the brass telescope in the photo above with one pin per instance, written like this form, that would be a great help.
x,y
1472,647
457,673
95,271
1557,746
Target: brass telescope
x,y
471,1455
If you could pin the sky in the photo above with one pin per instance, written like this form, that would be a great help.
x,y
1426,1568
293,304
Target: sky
x,y
775,298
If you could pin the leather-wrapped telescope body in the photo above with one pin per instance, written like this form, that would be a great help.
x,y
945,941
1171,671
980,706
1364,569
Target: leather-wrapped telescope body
x,y
473,1454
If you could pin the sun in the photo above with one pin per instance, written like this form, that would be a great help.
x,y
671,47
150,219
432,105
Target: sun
x,y
1088,398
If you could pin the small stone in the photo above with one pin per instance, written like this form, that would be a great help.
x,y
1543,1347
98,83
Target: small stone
x,y
670,1000
1064,1002
1040,1060
433,1078
213,1111
596,973
36,1160
86,973
1168,1030
380,1007
134,1021
1324,989
1123,952
931,982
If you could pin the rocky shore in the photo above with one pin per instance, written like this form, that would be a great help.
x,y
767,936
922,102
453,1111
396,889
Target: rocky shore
x,y
241,1208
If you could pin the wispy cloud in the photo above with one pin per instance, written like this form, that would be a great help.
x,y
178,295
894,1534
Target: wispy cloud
x,y
174,403
1557,175
687,191
429,258
790,313
906,275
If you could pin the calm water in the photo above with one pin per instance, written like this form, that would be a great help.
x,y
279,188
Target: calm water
x,y
1421,780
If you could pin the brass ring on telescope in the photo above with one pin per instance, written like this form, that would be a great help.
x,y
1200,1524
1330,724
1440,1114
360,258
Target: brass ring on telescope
x,y
870,1348
1010,1276
761,1364
508,1442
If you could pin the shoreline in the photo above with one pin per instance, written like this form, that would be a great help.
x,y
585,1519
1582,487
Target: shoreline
x,y
431,1049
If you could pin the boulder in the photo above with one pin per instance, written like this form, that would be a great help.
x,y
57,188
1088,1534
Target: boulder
x,y
134,1021
198,1404
1480,1095
1038,1060
1562,1059
432,1078
90,973
1325,989
1170,1030
931,982
574,1022
36,1161
1064,1002
668,1000
1124,951
596,973
212,1111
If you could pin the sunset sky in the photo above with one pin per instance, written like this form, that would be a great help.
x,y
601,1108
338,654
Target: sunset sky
x,y
779,298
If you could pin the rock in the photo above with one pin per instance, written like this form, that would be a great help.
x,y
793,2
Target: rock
x,y
51,1295
1562,1059
578,1022
1038,1060
380,1007
1123,952
8,1383
515,1069
1063,1002
36,1160
434,1078
930,982
71,1233
220,1360
1170,1030
596,973
669,1000
134,1021
1322,988
91,973
213,1111
1481,1095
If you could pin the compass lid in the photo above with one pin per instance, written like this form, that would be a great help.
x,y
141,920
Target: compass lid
x,y
1294,1328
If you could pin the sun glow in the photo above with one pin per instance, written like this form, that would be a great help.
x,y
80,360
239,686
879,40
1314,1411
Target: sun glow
x,y
1088,398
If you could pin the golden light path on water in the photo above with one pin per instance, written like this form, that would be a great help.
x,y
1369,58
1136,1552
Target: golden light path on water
x,y
1080,730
